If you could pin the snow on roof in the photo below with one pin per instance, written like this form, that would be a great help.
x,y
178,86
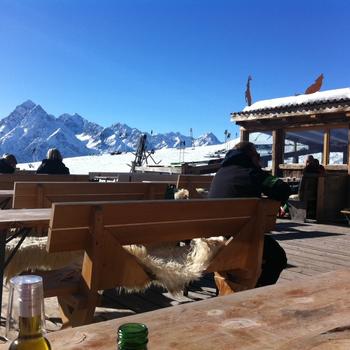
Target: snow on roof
x,y
320,96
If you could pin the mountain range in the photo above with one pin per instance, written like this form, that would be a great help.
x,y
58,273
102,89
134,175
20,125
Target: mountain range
x,y
29,131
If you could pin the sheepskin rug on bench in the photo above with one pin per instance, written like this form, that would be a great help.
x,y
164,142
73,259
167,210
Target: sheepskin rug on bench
x,y
170,266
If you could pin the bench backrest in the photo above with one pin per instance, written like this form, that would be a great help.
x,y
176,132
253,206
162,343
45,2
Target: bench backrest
x,y
132,177
102,228
187,181
7,180
43,194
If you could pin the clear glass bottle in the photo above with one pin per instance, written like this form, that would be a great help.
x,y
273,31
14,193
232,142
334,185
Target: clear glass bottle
x,y
132,336
29,294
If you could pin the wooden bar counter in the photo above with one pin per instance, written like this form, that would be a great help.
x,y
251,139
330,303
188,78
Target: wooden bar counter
x,y
309,314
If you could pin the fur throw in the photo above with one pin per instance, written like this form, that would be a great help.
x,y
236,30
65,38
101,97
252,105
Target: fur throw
x,y
170,266
182,194
32,255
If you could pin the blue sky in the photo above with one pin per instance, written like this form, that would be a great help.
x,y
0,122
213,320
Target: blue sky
x,y
167,65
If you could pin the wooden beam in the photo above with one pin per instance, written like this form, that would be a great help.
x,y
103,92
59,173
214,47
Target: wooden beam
x,y
290,114
244,135
326,145
278,136
263,125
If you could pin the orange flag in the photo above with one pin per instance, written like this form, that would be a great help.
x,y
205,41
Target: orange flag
x,y
316,86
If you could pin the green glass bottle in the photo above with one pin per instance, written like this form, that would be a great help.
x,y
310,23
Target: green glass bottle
x,y
132,336
30,300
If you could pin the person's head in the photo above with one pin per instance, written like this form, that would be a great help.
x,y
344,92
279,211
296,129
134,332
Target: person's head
x,y
309,160
249,149
10,160
54,154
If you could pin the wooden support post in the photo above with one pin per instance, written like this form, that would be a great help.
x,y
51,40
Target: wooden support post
x,y
244,135
326,146
278,136
295,152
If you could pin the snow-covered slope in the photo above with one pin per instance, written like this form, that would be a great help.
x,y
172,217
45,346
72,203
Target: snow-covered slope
x,y
121,162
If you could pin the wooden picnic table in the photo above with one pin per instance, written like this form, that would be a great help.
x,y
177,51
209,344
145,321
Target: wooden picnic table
x,y
308,314
24,217
24,220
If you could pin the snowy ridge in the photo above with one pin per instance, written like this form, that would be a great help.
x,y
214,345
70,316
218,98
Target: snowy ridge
x,y
29,131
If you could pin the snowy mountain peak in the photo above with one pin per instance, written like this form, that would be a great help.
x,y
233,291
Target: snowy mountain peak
x,y
206,139
29,131
24,108
28,105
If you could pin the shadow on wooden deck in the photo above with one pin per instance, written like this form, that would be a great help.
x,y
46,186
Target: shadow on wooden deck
x,y
296,234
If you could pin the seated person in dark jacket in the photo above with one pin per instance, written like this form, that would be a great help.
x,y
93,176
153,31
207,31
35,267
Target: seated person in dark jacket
x,y
313,166
53,164
240,175
8,164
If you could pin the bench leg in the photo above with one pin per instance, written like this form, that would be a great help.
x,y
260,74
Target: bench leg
x,y
228,283
78,311
297,210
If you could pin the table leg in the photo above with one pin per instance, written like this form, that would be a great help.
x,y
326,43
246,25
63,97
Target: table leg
x,y
3,203
2,263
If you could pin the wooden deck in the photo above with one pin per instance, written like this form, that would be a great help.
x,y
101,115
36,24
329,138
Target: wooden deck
x,y
311,249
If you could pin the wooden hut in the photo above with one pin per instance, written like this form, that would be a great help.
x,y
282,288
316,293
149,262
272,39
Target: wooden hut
x,y
288,129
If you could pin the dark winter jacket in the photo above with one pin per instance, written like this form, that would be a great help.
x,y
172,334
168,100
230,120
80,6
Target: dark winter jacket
x,y
52,166
239,177
5,168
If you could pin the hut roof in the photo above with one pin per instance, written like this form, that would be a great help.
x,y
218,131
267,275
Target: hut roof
x,y
330,101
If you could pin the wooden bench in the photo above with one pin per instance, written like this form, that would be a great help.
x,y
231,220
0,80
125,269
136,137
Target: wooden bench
x,y
307,314
7,180
305,206
326,196
187,181
102,228
194,182
43,194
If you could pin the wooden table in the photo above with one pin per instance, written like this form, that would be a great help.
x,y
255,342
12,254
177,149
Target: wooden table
x,y
24,220
310,314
